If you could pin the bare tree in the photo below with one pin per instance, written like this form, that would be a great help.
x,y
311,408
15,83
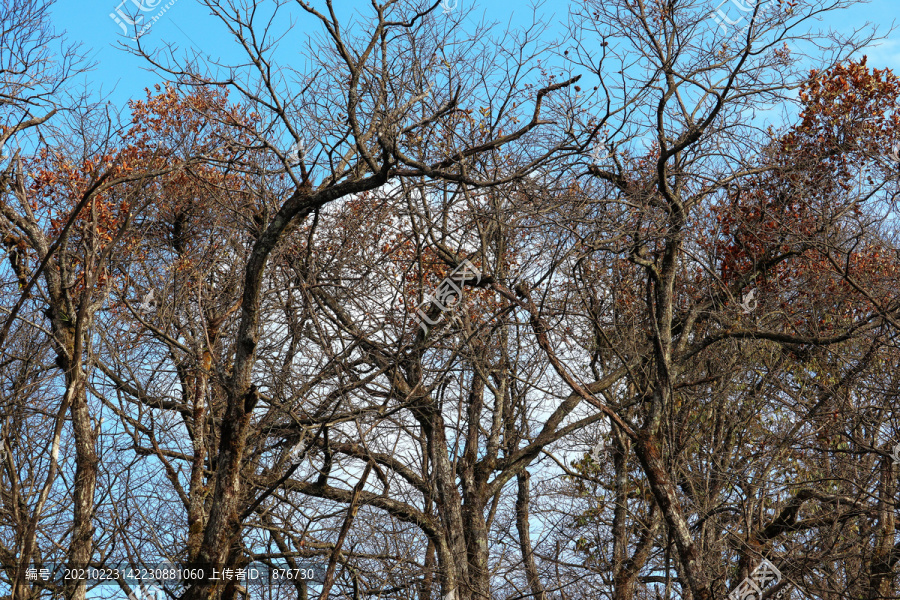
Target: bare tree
x,y
445,319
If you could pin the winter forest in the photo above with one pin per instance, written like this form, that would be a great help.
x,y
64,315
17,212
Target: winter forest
x,y
429,307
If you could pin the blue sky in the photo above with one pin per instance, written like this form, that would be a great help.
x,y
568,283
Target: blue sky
x,y
187,25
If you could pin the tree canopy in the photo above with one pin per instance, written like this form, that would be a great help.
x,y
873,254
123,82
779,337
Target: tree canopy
x,y
455,312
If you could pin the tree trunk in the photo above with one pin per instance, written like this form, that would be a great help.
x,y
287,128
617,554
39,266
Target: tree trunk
x,y
647,450
86,461
523,501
